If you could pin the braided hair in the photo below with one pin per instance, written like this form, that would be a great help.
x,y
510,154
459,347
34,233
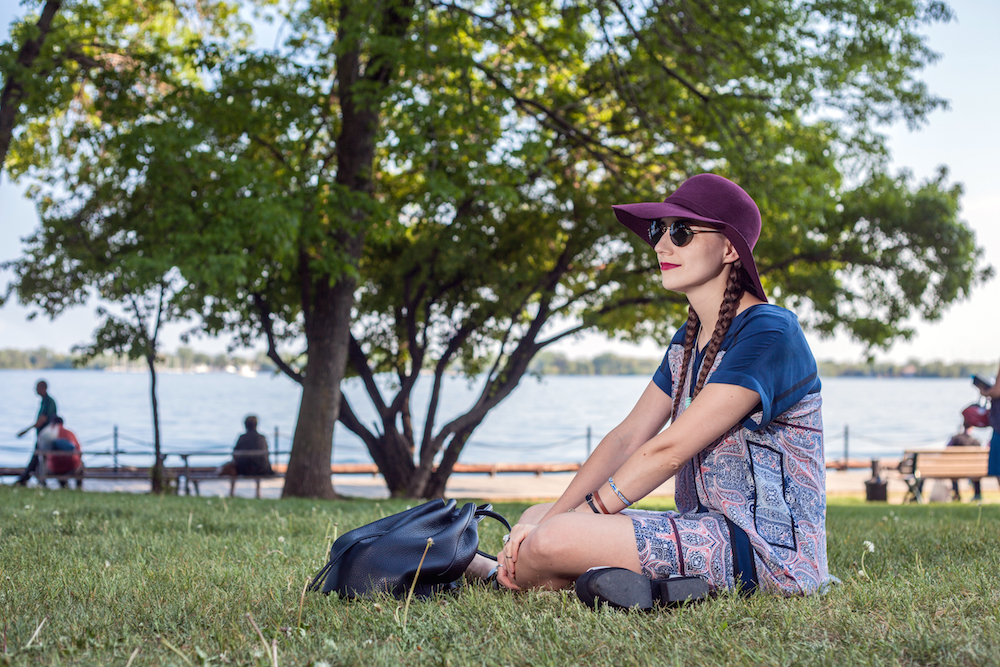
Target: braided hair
x,y
735,287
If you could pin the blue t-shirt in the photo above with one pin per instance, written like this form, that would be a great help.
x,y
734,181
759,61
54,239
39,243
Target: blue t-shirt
x,y
47,409
766,352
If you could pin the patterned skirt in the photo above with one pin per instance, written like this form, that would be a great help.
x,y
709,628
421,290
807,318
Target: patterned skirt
x,y
696,544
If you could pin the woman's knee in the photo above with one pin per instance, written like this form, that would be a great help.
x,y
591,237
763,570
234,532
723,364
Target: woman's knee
x,y
554,542
535,513
538,559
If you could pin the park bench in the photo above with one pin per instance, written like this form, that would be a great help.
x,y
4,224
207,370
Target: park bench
x,y
174,476
946,463
191,475
100,473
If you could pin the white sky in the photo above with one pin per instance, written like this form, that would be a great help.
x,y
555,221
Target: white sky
x,y
965,138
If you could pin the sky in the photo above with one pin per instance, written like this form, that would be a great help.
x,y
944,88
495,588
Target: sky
x,y
965,138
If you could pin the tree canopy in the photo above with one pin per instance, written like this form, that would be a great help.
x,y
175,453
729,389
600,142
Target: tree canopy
x,y
447,168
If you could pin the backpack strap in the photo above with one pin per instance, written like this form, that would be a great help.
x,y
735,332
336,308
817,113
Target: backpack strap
x,y
484,511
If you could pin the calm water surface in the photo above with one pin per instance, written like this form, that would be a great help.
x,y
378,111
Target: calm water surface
x,y
540,421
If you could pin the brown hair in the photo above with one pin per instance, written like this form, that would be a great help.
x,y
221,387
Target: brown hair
x,y
727,311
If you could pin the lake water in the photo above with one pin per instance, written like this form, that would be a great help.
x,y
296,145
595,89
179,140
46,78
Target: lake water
x,y
543,420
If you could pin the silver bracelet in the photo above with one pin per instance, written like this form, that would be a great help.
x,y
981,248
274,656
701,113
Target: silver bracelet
x,y
621,496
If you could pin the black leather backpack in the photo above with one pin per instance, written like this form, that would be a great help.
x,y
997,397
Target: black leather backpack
x,y
384,556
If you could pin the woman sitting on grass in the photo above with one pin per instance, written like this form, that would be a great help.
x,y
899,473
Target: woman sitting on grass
x,y
745,442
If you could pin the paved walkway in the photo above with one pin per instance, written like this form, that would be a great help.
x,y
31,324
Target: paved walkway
x,y
849,484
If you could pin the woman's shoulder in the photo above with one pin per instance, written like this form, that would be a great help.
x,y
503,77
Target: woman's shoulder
x,y
767,317
759,318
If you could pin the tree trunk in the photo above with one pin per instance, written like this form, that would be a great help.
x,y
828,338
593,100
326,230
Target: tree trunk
x,y
328,310
418,480
156,472
435,486
394,461
327,336
13,90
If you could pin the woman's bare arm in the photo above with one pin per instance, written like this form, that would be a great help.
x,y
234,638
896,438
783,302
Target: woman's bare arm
x,y
645,420
717,409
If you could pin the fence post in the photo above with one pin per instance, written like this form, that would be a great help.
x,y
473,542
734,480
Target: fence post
x,y
277,460
846,440
588,442
116,447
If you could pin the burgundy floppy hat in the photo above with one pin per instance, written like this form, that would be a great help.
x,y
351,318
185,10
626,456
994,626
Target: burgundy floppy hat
x,y
707,198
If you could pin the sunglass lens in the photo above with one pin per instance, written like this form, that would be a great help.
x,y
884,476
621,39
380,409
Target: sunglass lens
x,y
680,234
655,231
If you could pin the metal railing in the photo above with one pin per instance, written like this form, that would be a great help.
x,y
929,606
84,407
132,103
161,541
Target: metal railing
x,y
891,448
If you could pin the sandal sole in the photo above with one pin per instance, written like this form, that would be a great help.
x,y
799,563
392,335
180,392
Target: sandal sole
x,y
619,588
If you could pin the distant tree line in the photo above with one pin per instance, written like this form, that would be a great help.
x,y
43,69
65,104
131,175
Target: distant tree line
x,y
545,363
555,363
930,369
40,358
185,359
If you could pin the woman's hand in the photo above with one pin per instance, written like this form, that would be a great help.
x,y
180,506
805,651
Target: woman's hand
x,y
507,558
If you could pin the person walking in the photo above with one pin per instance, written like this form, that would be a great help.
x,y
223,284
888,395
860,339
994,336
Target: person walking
x,y
740,388
46,413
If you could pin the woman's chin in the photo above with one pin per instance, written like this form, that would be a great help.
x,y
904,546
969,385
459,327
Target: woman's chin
x,y
670,283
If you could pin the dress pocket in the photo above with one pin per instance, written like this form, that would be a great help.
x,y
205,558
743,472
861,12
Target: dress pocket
x,y
772,515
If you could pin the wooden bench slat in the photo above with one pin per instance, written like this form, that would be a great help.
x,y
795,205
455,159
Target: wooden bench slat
x,y
946,463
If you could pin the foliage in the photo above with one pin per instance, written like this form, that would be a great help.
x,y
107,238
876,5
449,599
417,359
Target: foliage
x,y
94,54
610,103
175,578
104,239
61,268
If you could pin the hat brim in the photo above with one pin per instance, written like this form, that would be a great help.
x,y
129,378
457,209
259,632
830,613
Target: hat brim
x,y
637,216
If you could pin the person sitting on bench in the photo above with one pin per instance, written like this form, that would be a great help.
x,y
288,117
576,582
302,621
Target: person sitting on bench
x,y
966,439
65,457
250,456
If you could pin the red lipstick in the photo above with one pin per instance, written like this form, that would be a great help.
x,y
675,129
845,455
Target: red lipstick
x,y
666,266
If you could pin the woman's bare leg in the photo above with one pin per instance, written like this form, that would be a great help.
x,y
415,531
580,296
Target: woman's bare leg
x,y
553,555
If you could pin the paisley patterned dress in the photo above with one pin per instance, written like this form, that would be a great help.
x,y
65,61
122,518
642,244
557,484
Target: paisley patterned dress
x,y
751,506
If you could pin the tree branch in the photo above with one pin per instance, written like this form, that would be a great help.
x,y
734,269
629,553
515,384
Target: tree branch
x,y
625,14
360,363
272,350
454,344
354,425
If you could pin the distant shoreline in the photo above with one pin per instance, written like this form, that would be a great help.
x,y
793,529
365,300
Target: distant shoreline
x,y
267,372
187,361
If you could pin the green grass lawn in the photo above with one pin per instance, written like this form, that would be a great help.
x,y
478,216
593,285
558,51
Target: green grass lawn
x,y
90,578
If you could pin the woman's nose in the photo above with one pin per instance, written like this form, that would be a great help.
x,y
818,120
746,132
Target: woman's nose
x,y
664,245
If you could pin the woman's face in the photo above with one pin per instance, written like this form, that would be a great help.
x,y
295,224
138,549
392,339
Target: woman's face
x,y
701,261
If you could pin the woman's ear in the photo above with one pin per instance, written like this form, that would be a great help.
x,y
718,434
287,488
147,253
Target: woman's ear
x,y
729,253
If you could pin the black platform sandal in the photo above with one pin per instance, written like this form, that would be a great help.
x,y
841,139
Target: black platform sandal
x,y
619,588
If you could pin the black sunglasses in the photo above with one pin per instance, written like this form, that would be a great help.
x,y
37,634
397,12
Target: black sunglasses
x,y
680,232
